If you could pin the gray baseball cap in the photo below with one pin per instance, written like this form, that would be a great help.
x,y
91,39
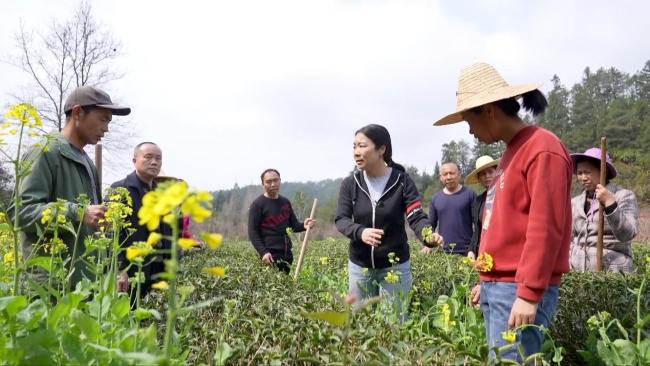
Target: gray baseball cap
x,y
87,96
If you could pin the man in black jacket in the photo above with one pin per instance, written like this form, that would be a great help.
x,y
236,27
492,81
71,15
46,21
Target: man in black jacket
x,y
270,220
483,174
147,159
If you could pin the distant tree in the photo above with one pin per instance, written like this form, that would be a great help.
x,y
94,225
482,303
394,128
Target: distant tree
x,y
641,83
557,117
458,152
493,150
68,54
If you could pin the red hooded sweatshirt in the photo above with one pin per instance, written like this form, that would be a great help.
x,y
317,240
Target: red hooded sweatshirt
x,y
527,216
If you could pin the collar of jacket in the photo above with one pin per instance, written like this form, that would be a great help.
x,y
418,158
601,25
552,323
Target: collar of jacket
x,y
65,148
133,181
359,178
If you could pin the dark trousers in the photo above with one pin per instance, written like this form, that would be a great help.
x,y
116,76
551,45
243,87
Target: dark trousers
x,y
282,260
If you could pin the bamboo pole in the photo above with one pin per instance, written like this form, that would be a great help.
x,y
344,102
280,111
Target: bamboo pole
x,y
601,207
304,242
98,163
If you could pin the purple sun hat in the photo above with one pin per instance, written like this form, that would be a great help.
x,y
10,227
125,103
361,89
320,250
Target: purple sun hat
x,y
594,154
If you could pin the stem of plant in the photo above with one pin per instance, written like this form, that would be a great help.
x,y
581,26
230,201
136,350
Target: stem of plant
x,y
171,308
73,259
18,178
638,312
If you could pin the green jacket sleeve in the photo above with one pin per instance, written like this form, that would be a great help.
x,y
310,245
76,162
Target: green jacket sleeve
x,y
35,193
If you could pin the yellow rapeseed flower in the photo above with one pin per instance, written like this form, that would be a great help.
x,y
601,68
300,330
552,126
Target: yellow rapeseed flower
x,y
484,262
215,271
8,258
186,243
324,261
153,238
46,216
192,207
160,285
509,336
391,277
135,253
212,240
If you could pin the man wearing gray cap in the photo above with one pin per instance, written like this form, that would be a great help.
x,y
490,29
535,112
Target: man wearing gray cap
x,y
64,171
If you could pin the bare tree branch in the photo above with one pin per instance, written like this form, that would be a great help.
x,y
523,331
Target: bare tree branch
x,y
65,55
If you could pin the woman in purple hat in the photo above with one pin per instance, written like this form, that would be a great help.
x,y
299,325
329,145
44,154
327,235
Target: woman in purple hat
x,y
621,217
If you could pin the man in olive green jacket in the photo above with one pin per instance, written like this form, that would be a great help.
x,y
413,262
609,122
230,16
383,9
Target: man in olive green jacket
x,y
64,171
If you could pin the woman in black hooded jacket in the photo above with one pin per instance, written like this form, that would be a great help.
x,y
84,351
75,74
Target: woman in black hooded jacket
x,y
374,202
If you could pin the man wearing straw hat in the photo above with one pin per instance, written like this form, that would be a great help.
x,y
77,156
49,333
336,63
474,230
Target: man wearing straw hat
x,y
526,220
483,174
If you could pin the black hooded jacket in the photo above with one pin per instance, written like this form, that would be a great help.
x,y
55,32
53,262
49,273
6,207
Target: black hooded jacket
x,y
355,213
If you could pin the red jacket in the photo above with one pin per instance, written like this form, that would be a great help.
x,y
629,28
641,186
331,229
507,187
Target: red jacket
x,y
527,216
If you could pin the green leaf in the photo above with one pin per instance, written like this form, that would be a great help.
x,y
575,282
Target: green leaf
x,y
141,358
335,318
142,314
73,348
197,306
32,314
120,307
12,304
5,227
644,351
222,353
87,325
626,351
36,347
43,262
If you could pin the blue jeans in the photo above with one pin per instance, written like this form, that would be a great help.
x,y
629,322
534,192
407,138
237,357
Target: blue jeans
x,y
496,303
369,282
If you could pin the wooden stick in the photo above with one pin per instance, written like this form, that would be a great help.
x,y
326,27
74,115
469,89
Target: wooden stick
x,y
601,208
98,163
304,242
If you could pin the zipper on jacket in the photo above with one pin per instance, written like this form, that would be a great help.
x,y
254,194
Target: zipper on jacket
x,y
372,248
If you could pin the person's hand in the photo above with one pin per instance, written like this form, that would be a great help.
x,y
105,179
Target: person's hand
x,y
604,196
435,239
93,214
475,295
309,223
523,312
425,250
267,258
471,255
372,236
122,282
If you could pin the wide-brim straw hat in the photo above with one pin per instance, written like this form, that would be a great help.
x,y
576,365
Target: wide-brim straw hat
x,y
162,177
480,84
482,163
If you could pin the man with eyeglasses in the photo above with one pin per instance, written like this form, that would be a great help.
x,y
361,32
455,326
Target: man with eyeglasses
x,y
147,160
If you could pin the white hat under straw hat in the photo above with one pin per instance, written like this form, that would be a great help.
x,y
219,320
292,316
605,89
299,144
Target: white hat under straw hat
x,y
482,163
480,84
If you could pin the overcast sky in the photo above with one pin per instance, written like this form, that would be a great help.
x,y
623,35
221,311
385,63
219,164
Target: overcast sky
x,y
229,88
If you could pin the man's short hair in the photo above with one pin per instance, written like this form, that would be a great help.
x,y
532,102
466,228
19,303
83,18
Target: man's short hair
x,y
138,146
85,108
268,171
451,163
